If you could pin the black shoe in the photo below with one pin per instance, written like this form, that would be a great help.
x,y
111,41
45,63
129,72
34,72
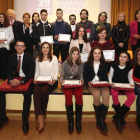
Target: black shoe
x,y
97,113
78,117
138,120
120,115
25,126
117,109
70,117
3,121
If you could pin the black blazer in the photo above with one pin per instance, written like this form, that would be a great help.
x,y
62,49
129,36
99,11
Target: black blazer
x,y
89,73
28,66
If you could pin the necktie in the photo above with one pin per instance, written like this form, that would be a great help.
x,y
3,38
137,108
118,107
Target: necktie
x,y
18,66
11,22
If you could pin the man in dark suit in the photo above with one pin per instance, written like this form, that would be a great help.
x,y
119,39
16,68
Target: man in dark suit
x,y
20,65
15,24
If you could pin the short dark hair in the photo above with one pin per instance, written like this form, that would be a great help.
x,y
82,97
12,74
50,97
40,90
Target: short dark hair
x,y
43,10
100,30
6,21
84,10
20,41
136,14
35,13
72,15
59,9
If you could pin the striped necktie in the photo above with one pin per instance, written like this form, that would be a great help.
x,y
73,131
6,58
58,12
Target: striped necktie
x,y
18,66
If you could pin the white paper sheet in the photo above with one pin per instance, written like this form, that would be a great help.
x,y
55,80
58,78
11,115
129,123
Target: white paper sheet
x,y
44,78
48,39
100,82
64,37
137,83
122,85
2,35
72,82
109,54
84,57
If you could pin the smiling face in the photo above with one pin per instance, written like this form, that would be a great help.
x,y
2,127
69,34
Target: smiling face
x,y
11,15
123,58
102,17
44,16
1,18
75,55
102,35
26,19
45,49
121,17
81,32
83,15
72,20
138,15
36,18
20,47
97,54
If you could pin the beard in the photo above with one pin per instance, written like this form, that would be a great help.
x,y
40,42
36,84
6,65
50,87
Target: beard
x,y
72,23
83,18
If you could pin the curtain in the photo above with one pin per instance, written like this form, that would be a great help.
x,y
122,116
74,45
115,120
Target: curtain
x,y
5,5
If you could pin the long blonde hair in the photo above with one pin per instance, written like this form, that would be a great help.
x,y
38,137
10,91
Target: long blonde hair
x,y
117,19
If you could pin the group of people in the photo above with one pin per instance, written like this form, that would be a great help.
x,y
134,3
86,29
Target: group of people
x,y
88,37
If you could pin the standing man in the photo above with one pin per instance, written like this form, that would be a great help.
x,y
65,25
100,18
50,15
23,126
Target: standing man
x,y
44,28
20,64
60,27
72,19
87,24
15,24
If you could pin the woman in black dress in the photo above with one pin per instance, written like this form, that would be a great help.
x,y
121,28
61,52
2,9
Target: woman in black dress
x,y
26,33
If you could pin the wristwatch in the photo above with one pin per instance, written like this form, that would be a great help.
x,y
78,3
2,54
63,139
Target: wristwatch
x,y
21,82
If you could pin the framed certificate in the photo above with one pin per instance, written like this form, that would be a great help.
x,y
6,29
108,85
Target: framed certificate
x,y
109,54
122,86
43,79
100,84
64,37
84,57
72,83
3,35
48,39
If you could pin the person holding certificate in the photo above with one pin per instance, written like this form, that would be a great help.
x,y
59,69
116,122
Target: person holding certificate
x,y
6,36
121,73
80,40
121,33
72,69
136,78
46,65
95,69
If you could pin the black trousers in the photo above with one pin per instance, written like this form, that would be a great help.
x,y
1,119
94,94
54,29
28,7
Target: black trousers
x,y
26,104
119,49
64,48
3,63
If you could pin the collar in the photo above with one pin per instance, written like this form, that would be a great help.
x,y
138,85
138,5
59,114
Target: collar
x,y
44,21
97,63
84,22
60,21
20,55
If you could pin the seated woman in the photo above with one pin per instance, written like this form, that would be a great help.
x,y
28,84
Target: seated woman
x,y
121,73
46,64
72,69
136,78
104,43
80,40
95,69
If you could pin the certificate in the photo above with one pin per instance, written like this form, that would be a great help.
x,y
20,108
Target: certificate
x,y
43,79
122,86
48,39
64,37
109,54
100,84
88,31
72,83
84,57
3,35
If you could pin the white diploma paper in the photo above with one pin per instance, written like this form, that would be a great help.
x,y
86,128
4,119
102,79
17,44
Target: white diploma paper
x,y
84,57
122,85
100,82
48,39
2,35
109,54
64,37
72,82
44,78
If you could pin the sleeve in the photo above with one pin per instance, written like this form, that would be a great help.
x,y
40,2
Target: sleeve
x,y
36,36
130,79
56,68
62,72
113,35
67,28
10,36
52,31
71,44
106,72
81,73
86,72
131,30
111,73
92,35
109,31
36,68
127,35
88,47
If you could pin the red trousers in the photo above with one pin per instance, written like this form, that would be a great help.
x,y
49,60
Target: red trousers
x,y
78,92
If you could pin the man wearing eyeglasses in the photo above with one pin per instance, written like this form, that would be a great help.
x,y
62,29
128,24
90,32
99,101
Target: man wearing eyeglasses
x,y
89,25
20,64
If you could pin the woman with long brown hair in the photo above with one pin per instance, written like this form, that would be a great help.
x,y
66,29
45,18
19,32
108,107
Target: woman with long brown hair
x,y
80,40
46,64
4,44
95,69
72,69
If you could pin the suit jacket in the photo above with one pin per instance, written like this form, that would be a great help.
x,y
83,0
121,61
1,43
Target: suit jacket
x,y
28,67
133,31
86,46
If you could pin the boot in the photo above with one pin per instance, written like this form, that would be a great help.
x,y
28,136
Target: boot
x,y
78,116
70,117
100,116
138,120
117,108
123,110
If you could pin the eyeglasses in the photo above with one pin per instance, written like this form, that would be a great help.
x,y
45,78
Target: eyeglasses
x,y
20,46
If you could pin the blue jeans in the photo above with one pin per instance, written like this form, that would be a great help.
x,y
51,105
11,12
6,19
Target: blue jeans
x,y
137,92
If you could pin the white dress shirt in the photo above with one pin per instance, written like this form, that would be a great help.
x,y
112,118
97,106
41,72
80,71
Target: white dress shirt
x,y
96,68
73,27
21,74
11,21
